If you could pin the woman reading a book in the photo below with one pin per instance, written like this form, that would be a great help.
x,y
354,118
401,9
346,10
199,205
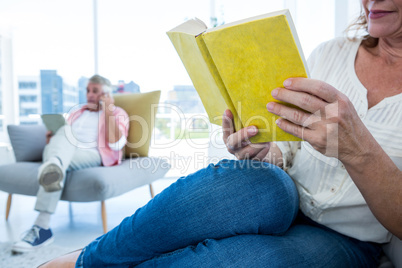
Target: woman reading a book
x,y
338,200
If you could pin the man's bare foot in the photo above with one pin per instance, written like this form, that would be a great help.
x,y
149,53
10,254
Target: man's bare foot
x,y
65,261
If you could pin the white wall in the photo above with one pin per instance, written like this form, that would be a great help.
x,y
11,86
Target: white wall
x,y
9,98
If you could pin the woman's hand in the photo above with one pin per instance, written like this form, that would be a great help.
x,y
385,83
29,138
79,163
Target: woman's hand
x,y
331,125
238,143
329,121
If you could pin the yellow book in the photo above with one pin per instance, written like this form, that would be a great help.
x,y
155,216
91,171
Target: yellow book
x,y
236,66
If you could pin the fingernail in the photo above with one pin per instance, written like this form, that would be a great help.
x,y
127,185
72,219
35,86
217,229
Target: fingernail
x,y
274,92
287,83
278,122
252,130
270,106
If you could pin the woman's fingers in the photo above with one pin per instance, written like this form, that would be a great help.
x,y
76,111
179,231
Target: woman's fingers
x,y
303,100
235,140
295,129
238,143
240,139
312,96
294,115
261,156
227,124
313,87
318,122
256,151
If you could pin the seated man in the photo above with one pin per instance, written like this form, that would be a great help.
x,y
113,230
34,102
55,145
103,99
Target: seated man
x,y
94,136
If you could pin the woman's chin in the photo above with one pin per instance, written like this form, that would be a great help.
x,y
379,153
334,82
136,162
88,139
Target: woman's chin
x,y
379,31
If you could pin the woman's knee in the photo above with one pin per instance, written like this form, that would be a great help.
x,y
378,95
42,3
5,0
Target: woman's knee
x,y
260,175
263,187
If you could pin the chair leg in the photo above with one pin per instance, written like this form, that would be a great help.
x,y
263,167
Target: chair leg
x,y
151,189
8,205
104,217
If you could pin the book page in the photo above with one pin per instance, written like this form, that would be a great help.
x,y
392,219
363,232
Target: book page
x,y
193,26
259,17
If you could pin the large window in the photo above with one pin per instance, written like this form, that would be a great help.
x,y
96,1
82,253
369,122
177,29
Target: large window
x,y
132,41
1,104
54,41
6,100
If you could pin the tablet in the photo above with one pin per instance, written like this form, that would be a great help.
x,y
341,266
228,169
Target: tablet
x,y
53,121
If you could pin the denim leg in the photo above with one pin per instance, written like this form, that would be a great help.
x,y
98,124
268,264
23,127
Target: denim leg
x,y
301,246
220,201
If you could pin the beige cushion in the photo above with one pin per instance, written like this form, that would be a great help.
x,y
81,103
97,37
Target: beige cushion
x,y
141,109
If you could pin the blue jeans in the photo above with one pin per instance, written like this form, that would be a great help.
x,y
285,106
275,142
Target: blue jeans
x,y
232,214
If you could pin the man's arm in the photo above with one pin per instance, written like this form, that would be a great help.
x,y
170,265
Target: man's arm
x,y
49,135
113,133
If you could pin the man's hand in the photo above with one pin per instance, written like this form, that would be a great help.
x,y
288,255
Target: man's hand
x,y
49,135
108,102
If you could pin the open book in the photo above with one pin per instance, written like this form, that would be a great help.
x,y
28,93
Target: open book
x,y
53,121
236,66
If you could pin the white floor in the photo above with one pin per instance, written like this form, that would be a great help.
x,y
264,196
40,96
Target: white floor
x,y
74,224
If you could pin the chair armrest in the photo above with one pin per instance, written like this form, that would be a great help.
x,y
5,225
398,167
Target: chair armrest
x,y
28,141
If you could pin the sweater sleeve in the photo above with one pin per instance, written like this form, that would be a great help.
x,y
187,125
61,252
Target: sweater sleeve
x,y
288,150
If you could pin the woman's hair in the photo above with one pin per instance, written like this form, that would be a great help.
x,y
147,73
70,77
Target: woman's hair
x,y
358,25
106,85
